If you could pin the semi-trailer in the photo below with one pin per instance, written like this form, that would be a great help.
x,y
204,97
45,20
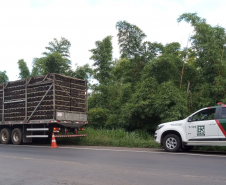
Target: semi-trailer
x,y
38,106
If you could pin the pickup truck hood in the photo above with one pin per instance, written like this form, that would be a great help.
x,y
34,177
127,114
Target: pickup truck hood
x,y
174,123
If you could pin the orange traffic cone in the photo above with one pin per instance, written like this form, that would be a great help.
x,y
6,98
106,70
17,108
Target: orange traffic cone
x,y
53,144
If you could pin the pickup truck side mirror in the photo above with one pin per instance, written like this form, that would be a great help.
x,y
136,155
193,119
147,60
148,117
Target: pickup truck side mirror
x,y
190,119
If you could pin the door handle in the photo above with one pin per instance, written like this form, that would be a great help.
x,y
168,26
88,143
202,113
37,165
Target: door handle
x,y
212,124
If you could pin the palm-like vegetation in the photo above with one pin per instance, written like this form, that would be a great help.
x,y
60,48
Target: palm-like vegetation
x,y
61,46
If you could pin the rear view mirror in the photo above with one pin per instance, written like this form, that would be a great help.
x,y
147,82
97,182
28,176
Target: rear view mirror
x,y
190,119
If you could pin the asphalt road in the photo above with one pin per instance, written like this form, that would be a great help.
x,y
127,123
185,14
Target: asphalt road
x,y
37,165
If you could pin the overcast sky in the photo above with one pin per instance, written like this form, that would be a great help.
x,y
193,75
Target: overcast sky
x,y
27,26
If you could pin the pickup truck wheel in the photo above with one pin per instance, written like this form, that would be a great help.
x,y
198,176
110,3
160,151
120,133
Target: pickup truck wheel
x,y
187,148
5,136
17,136
172,143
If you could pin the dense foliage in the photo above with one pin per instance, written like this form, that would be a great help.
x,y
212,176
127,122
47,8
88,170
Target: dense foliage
x,y
150,83
24,71
3,77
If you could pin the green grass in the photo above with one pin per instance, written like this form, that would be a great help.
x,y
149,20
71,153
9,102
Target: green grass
x,y
121,138
117,138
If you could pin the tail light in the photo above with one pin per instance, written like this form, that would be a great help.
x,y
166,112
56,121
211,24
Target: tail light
x,y
56,129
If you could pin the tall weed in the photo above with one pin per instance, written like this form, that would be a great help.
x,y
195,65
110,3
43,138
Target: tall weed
x,y
115,137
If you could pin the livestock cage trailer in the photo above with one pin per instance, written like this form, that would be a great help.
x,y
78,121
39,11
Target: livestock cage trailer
x,y
37,106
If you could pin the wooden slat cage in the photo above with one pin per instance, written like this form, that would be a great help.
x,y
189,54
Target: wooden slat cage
x,y
38,98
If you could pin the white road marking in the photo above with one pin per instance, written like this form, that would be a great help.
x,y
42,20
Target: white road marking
x,y
25,146
163,152
115,150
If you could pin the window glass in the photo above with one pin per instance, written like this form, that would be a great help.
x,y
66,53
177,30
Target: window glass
x,y
208,114
223,114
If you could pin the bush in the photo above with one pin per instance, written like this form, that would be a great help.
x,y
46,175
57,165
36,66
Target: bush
x,y
115,137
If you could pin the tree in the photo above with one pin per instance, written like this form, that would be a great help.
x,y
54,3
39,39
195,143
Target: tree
x,y
208,59
171,49
102,56
154,103
53,63
130,39
61,46
207,42
133,47
24,71
37,67
150,51
82,72
3,77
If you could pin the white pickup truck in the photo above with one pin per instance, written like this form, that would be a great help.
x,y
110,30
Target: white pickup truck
x,y
206,127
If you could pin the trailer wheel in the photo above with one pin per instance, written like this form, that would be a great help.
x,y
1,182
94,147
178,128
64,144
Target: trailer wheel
x,y
17,136
5,136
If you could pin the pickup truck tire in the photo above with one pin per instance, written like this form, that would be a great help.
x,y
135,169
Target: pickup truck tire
x,y
172,143
17,136
187,148
5,136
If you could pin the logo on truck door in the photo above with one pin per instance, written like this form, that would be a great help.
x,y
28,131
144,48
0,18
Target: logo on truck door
x,y
201,130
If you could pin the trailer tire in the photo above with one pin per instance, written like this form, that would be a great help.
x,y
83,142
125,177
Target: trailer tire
x,y
5,136
17,136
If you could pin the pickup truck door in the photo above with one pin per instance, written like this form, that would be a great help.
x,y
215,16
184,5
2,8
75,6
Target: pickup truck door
x,y
202,126
222,124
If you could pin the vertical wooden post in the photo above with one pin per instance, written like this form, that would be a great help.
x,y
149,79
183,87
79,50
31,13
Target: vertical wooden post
x,y
25,119
54,97
86,96
3,100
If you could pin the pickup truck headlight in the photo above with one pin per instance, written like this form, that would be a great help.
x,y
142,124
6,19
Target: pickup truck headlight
x,y
159,127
